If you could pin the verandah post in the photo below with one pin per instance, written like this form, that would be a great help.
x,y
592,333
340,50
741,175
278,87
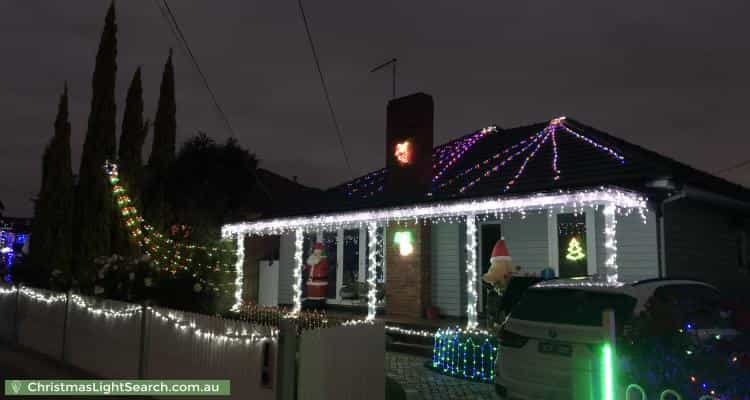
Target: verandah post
x,y
297,285
471,271
610,244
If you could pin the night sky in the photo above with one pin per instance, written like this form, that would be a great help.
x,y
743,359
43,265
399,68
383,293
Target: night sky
x,y
672,76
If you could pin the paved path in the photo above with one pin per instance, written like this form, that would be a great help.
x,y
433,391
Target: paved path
x,y
420,383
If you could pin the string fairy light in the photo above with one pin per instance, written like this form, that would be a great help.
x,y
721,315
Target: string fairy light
x,y
239,267
614,201
372,251
411,332
445,211
452,152
230,336
610,243
471,271
4,291
530,147
466,353
41,297
164,253
297,285
127,312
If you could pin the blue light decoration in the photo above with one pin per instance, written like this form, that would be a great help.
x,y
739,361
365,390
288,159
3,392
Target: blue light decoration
x,y
10,242
467,354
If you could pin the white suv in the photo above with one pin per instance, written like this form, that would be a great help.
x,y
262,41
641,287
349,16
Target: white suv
x,y
550,343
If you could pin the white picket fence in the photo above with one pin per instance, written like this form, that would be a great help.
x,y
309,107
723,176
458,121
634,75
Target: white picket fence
x,y
117,340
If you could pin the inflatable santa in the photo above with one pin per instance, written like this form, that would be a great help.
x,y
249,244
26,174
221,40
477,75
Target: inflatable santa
x,y
501,267
317,269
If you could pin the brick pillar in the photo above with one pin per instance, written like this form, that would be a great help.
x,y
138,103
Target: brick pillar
x,y
408,280
257,248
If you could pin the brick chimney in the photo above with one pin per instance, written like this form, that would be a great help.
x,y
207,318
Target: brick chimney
x,y
408,146
408,154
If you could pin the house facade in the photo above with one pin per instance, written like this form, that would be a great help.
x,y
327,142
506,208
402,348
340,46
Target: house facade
x,y
418,234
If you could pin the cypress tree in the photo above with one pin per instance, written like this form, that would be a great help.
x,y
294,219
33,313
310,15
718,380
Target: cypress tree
x,y
130,160
134,132
94,206
163,149
52,242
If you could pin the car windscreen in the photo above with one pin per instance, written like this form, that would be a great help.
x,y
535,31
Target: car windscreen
x,y
572,306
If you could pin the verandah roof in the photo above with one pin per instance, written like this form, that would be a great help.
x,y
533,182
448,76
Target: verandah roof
x,y
622,199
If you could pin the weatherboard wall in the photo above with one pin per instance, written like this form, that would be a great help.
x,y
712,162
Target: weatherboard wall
x,y
448,271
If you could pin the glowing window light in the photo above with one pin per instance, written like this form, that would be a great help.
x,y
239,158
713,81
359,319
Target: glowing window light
x,y
403,152
405,242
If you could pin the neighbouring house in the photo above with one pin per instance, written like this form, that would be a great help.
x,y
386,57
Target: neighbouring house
x,y
418,233
14,243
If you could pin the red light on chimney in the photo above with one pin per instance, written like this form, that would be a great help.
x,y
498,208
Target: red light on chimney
x,y
403,152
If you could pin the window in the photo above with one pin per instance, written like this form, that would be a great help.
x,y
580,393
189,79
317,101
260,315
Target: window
x,y
330,244
346,253
572,246
572,306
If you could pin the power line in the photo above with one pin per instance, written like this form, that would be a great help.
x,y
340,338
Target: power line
x,y
325,88
171,20
182,38
733,167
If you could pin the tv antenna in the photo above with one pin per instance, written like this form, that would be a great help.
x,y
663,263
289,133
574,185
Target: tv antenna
x,y
392,62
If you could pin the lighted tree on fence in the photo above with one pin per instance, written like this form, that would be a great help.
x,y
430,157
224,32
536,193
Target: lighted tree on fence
x,y
180,266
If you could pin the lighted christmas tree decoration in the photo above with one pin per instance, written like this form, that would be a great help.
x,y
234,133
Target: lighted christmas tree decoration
x,y
404,240
575,251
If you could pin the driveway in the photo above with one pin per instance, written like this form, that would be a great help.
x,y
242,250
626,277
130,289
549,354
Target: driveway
x,y
420,383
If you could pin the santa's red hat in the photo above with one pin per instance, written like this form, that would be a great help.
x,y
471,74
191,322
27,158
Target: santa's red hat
x,y
318,246
500,252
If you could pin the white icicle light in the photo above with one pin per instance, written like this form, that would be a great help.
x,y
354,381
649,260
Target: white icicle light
x,y
239,267
471,271
297,285
449,211
372,249
610,244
